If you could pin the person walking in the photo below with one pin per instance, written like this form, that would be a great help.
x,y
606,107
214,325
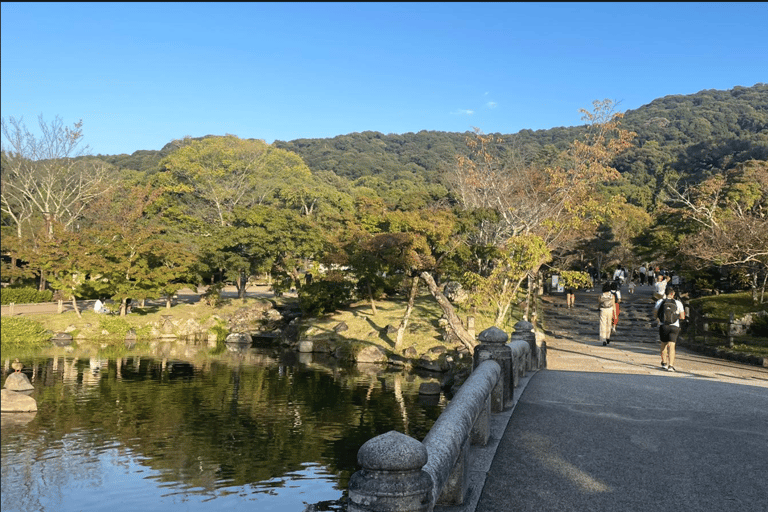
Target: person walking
x,y
669,311
660,286
570,295
607,307
616,291
641,271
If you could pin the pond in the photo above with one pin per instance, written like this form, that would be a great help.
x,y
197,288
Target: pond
x,y
257,429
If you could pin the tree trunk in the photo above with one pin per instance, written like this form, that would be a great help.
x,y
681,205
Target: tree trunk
x,y
42,284
13,270
241,284
74,305
370,295
408,310
453,320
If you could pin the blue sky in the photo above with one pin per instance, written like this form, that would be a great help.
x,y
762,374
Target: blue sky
x,y
142,74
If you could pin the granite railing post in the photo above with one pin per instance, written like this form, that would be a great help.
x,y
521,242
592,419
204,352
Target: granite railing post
x,y
392,478
493,346
524,331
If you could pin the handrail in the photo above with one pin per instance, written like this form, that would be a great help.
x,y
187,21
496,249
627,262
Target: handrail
x,y
400,474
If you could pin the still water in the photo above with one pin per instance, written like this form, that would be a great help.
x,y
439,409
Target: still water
x,y
256,429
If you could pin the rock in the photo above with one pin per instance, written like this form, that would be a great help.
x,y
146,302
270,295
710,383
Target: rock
x,y
239,338
16,419
62,339
391,329
130,338
411,353
341,327
432,365
371,354
429,388
14,401
306,346
18,381
455,293
323,346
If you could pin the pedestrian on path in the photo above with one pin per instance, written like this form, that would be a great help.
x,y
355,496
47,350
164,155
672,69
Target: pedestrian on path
x,y
669,312
570,295
660,286
607,306
617,300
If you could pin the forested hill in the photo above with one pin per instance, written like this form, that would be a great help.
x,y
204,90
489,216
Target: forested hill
x,y
688,135
692,134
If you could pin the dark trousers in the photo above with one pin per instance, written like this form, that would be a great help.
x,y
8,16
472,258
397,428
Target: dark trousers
x,y
668,333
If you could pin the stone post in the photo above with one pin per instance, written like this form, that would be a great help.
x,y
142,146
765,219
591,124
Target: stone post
x,y
524,331
392,478
493,346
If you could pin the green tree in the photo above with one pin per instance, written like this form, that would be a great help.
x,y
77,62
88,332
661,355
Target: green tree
x,y
510,266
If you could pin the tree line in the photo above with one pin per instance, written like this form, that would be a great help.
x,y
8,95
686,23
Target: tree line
x,y
487,210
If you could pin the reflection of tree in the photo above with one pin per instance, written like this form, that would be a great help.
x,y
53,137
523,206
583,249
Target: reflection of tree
x,y
214,425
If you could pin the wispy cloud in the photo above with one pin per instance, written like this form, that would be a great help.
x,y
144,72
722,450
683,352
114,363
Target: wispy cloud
x,y
491,104
463,112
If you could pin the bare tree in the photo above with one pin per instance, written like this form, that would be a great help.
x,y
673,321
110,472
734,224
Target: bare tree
x,y
730,211
41,175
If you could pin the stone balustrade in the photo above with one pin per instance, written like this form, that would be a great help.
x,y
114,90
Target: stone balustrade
x,y
401,474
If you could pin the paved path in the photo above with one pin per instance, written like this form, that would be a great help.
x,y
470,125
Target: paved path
x,y
605,428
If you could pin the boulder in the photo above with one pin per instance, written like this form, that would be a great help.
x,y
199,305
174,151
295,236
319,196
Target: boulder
x,y
62,339
18,381
455,293
238,338
306,346
371,354
429,388
14,401
411,353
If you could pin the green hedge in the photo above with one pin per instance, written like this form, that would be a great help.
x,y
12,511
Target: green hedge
x,y
24,296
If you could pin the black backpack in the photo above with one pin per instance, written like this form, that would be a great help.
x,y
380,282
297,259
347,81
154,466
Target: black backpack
x,y
667,313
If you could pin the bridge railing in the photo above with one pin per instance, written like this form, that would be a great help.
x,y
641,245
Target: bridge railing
x,y
399,473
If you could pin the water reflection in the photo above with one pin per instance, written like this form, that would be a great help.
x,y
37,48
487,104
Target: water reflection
x,y
272,429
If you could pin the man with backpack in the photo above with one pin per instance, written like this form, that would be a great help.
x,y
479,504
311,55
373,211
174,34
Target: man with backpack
x,y
669,311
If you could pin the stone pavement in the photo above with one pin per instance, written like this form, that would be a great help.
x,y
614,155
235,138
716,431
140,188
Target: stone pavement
x,y
605,428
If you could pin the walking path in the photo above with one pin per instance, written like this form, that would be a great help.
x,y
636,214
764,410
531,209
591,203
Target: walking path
x,y
606,428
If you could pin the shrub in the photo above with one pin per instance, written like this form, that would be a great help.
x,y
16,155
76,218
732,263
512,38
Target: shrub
x,y
115,326
759,326
323,297
23,332
25,295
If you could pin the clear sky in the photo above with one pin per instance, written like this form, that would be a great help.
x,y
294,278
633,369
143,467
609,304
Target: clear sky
x,y
142,74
